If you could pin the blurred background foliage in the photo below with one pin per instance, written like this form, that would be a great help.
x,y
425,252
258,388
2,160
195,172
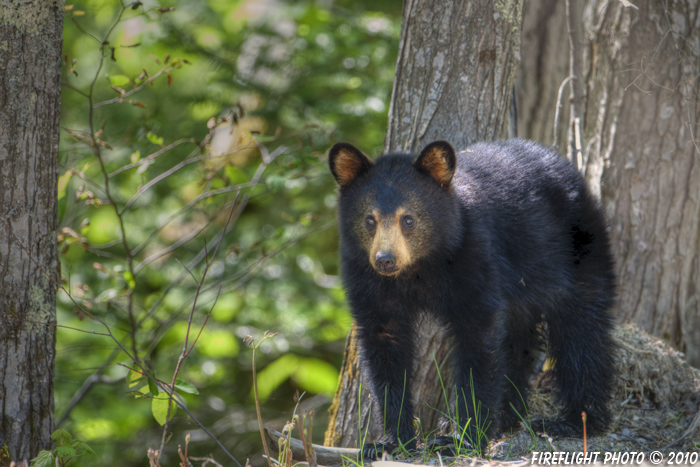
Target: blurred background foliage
x,y
172,112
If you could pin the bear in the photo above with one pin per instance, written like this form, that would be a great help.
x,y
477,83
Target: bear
x,y
497,242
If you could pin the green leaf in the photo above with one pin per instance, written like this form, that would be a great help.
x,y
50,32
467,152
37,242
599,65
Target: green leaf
x,y
316,376
119,80
62,182
153,387
276,373
67,448
44,459
61,437
218,343
135,156
133,378
186,386
129,278
63,452
81,448
235,175
154,138
159,408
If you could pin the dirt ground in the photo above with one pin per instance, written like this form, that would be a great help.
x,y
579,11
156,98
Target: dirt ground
x,y
655,408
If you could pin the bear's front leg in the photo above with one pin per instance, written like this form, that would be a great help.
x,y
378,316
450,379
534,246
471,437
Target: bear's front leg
x,y
388,349
476,398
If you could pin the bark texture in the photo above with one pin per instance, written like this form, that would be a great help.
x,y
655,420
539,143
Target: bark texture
x,y
543,68
30,53
456,68
454,78
640,137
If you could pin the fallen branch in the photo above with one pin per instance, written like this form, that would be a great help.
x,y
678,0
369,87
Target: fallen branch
x,y
324,455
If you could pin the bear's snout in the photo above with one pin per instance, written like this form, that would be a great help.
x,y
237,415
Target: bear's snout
x,y
385,263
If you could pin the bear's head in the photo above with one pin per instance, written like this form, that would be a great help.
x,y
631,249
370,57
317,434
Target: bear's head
x,y
398,209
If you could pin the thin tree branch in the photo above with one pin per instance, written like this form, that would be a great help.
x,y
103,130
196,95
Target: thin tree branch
x,y
555,140
151,157
576,63
159,178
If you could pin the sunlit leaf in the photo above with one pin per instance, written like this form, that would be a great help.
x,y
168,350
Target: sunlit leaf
x,y
159,408
154,138
218,343
235,175
119,80
44,459
276,373
134,378
104,225
129,278
62,182
316,376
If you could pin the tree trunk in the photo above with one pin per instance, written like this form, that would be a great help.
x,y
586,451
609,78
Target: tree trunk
x,y
543,68
30,53
640,151
454,77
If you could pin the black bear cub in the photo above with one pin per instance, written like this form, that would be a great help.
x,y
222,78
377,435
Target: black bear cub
x,y
492,241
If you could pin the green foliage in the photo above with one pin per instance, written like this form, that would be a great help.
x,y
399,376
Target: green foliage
x,y
172,119
163,408
67,449
44,459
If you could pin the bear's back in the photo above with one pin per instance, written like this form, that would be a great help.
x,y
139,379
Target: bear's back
x,y
517,174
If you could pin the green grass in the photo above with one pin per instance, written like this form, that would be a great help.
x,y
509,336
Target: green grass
x,y
468,442
481,426
525,419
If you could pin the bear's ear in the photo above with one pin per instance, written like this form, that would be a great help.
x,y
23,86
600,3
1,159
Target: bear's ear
x,y
347,163
439,161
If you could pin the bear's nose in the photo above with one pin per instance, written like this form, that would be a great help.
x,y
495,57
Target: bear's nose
x,y
385,262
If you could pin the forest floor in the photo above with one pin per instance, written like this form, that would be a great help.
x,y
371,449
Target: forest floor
x,y
655,408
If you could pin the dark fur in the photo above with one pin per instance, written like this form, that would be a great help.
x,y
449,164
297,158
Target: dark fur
x,y
514,238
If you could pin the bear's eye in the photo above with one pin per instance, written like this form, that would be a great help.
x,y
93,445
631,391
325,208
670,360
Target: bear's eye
x,y
408,221
370,221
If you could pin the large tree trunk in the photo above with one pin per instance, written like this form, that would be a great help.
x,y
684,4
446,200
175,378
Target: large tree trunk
x,y
455,72
30,53
640,138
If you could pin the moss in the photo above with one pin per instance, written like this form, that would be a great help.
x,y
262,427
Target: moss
x,y
510,10
29,17
40,311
